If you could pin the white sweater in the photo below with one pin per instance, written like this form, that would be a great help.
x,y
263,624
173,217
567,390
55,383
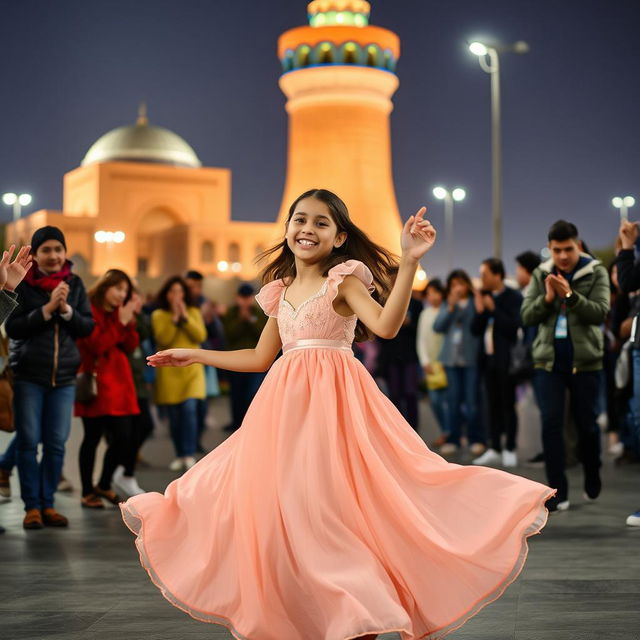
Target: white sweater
x,y
428,342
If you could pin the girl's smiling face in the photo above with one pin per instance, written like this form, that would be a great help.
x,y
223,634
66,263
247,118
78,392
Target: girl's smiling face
x,y
311,232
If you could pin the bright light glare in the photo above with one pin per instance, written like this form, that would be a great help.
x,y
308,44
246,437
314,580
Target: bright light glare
x,y
478,49
25,199
459,194
100,236
9,198
118,237
236,267
440,193
421,275
629,201
617,202
223,265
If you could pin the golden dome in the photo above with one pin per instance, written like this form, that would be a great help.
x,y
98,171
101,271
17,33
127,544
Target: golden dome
x,y
142,143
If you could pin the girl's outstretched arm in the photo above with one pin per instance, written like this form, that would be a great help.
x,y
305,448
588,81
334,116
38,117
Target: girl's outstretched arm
x,y
418,236
258,359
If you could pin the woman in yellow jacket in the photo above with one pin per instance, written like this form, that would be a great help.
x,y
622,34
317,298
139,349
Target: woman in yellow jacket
x,y
177,323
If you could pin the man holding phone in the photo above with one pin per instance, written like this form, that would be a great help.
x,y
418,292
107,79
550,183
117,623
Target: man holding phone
x,y
568,300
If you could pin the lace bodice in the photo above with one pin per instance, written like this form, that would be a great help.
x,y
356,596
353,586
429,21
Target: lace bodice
x,y
315,317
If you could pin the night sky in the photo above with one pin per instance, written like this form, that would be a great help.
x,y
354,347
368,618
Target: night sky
x,y
72,70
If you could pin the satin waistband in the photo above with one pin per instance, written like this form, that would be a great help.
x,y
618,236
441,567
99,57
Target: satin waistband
x,y
316,343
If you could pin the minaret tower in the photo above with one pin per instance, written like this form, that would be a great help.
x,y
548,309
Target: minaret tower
x,y
339,76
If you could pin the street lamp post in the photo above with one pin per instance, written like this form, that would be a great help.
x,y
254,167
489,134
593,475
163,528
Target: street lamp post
x,y
623,204
449,197
17,202
492,67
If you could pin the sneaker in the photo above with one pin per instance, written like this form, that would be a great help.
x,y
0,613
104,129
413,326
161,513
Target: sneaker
x,y
634,519
127,486
489,458
509,459
5,484
448,448
177,465
477,448
558,506
189,462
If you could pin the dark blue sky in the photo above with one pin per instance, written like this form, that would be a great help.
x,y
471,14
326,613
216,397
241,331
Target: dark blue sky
x,y
71,70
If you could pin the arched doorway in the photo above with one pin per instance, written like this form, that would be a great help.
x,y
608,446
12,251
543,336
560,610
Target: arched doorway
x,y
162,243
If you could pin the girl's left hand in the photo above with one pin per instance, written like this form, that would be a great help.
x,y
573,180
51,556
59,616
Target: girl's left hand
x,y
418,236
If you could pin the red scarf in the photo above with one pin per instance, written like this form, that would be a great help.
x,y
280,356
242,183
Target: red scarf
x,y
48,281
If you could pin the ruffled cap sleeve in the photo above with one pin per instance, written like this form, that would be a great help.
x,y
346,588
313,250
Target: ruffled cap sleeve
x,y
349,268
269,297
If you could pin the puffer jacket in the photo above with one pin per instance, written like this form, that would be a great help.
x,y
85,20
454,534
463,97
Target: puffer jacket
x,y
586,312
45,352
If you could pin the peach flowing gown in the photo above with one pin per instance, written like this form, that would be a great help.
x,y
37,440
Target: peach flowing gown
x,y
325,516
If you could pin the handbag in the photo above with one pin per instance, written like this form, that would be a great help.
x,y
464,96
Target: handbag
x,y
521,360
6,388
437,379
87,386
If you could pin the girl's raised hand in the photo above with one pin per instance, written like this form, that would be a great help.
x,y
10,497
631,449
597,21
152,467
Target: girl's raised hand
x,y
418,235
172,358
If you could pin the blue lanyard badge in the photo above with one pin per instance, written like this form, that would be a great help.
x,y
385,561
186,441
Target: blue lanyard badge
x,y
562,329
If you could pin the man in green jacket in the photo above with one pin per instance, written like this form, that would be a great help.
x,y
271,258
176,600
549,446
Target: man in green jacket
x,y
567,301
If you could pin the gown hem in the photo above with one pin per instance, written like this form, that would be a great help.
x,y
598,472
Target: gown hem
x,y
135,523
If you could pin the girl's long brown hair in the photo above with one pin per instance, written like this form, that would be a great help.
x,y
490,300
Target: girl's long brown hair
x,y
382,264
110,279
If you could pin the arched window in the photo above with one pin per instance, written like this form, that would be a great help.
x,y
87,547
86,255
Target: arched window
x,y
288,60
207,253
233,254
373,57
302,56
350,53
389,60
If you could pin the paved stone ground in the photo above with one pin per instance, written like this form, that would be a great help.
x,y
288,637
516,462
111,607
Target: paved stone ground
x,y
581,582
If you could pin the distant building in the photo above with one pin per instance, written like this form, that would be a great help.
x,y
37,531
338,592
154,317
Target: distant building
x,y
141,200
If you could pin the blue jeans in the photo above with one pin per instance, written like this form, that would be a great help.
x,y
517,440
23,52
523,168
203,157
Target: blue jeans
x,y
438,398
463,390
632,441
42,415
8,458
183,425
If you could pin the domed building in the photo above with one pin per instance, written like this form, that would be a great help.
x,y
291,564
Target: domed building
x,y
141,201
142,142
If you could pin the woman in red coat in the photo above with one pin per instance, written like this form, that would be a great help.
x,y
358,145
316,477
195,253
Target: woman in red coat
x,y
104,352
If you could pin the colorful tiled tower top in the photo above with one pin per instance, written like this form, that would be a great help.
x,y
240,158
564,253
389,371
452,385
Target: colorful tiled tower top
x,y
339,34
